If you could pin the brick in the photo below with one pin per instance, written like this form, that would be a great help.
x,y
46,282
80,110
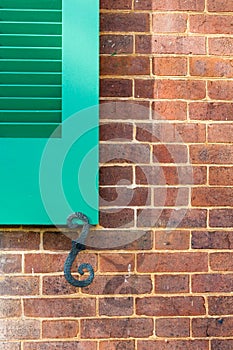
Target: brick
x,y
120,284
220,133
19,240
59,307
19,329
143,43
212,327
116,87
212,196
220,5
211,111
213,283
165,153
59,329
221,217
170,306
117,328
169,23
117,344
168,218
207,24
176,5
173,344
220,90
125,65
10,308
124,22
168,284
211,67
57,285
221,305
221,176
119,196
10,263
116,131
116,306
171,66
111,175
142,5
172,328
221,261
119,5
116,219
172,262
116,262
124,110
19,285
211,154
171,197
133,153
10,346
120,44
172,240
62,345
169,110
212,240
225,344
222,46
56,241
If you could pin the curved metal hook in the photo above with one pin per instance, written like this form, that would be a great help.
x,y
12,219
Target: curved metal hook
x,y
77,246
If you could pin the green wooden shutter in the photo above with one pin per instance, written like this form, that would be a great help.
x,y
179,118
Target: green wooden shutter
x,y
48,72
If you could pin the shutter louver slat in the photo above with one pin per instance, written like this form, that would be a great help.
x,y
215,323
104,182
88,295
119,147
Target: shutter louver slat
x,y
30,67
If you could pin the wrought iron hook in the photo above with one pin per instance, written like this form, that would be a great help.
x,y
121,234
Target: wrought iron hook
x,y
77,246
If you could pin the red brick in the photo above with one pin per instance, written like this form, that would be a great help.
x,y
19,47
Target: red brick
x,y
211,111
14,329
124,65
59,307
220,90
221,46
221,176
212,196
170,153
120,44
207,24
221,217
116,306
119,218
10,346
176,5
116,87
117,328
172,262
213,283
173,45
217,344
119,153
221,261
124,196
169,110
170,306
220,133
116,262
169,23
119,284
117,345
69,345
59,329
124,110
57,241
57,285
119,5
111,175
173,239
171,197
211,154
169,284
19,285
172,328
174,345
116,131
220,5
10,263
221,305
212,327
212,240
168,218
10,308
19,240
143,43
124,22
211,67
170,66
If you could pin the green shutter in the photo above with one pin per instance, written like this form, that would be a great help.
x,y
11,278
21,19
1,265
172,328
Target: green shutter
x,y
48,73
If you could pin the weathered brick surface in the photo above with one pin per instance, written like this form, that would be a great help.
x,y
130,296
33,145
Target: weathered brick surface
x,y
116,306
10,308
19,285
172,328
69,345
13,329
60,329
170,284
174,344
214,282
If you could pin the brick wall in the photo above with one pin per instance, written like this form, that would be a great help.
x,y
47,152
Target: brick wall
x,y
162,252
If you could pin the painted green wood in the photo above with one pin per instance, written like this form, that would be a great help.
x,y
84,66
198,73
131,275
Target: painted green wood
x,y
41,180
